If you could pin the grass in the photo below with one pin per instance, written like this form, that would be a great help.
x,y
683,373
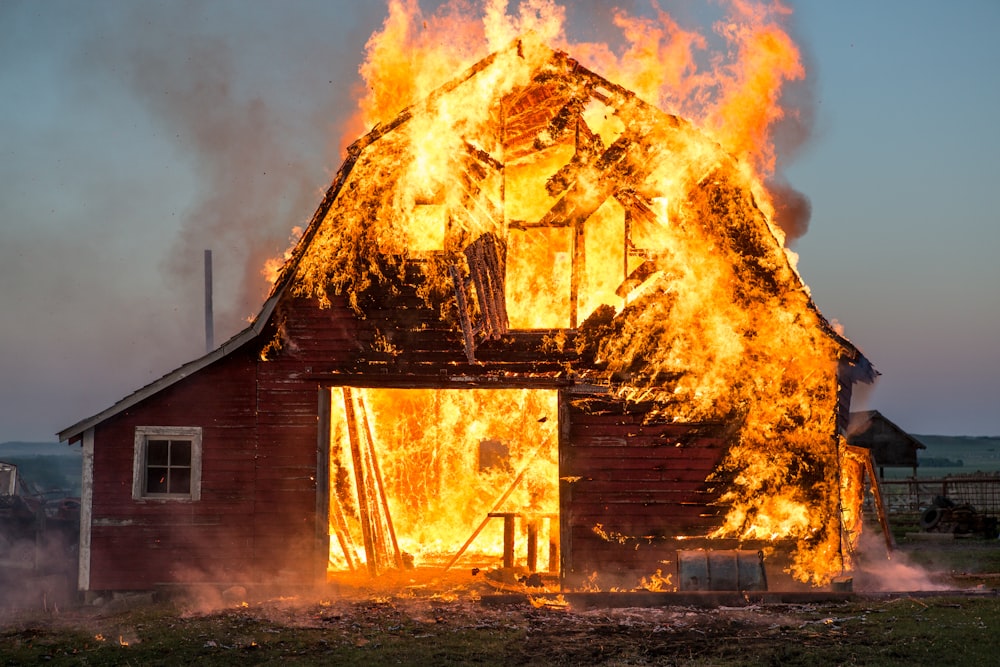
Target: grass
x,y
453,625
939,631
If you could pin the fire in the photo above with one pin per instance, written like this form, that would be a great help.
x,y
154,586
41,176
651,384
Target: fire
x,y
272,267
649,234
440,472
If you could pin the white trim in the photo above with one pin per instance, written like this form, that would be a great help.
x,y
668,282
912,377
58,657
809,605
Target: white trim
x,y
86,509
142,435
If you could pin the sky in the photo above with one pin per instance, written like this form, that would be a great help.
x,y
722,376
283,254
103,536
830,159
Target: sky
x,y
134,135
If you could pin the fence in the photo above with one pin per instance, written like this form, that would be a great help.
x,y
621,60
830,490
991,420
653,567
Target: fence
x,y
907,496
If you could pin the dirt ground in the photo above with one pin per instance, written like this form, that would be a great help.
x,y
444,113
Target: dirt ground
x,y
428,617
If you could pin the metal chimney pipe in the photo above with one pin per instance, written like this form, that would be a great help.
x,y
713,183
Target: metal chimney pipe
x,y
209,319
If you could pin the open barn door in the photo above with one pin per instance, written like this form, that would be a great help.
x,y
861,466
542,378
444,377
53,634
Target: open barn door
x,y
435,478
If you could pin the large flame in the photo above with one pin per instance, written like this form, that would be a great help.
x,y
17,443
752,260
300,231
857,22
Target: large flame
x,y
442,473
716,325
732,93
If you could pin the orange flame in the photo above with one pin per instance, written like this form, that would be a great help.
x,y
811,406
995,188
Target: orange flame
x,y
736,98
272,267
726,305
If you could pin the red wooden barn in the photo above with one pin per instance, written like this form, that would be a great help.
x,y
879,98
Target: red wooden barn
x,y
533,320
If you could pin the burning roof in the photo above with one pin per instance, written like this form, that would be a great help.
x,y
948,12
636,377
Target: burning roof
x,y
533,194
532,199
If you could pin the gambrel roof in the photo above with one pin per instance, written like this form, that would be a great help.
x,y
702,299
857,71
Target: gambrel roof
x,y
609,150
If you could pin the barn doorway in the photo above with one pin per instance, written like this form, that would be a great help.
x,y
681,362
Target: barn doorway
x,y
440,478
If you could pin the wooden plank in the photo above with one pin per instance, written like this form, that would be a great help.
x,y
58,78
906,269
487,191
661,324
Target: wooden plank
x,y
361,482
395,555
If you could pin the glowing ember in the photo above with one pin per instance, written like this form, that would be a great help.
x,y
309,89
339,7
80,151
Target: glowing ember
x,y
571,203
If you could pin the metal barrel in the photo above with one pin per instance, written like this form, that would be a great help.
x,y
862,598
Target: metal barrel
x,y
720,570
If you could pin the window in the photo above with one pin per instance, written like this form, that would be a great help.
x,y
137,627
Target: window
x,y
167,463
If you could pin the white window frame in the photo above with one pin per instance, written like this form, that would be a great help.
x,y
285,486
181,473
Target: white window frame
x,y
143,434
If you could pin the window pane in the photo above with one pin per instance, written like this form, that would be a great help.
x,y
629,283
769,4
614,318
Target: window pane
x,y
180,452
156,480
156,452
180,480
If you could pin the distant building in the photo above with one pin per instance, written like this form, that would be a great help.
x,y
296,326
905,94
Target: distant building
x,y
890,445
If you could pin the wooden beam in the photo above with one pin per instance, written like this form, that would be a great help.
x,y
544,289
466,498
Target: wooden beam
x,y
364,505
396,556
463,314
323,499
578,272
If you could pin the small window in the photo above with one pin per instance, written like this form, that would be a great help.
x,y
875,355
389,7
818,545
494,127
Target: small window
x,y
167,463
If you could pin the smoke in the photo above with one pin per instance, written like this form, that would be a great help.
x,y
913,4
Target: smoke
x,y
878,570
792,134
38,572
792,209
252,189
250,124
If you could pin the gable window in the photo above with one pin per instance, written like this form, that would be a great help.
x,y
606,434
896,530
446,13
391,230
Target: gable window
x,y
167,463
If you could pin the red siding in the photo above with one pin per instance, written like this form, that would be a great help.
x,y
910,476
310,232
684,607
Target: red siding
x,y
135,544
630,488
637,485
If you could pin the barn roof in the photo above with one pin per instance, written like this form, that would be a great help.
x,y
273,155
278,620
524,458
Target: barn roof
x,y
563,87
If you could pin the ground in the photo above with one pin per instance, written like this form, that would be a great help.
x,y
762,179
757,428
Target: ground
x,y
466,620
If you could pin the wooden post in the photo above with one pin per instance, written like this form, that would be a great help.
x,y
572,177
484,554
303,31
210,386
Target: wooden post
x,y
364,505
508,540
323,500
396,555
532,526
554,543
880,510
577,271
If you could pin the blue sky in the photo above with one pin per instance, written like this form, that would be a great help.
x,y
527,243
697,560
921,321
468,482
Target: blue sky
x,y
130,128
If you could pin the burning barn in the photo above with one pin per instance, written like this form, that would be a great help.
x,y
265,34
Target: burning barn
x,y
535,322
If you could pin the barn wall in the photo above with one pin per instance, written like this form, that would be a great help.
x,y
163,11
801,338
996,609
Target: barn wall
x,y
308,343
135,544
630,488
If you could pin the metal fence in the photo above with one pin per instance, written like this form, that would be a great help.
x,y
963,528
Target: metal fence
x,y
905,496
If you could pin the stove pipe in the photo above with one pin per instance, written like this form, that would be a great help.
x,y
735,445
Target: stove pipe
x,y
209,323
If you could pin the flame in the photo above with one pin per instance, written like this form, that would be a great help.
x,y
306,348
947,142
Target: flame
x,y
441,472
272,267
736,98
701,289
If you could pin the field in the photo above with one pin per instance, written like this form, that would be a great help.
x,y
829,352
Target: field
x,y
464,621
953,455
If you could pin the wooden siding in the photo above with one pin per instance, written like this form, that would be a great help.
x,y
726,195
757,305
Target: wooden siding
x,y
631,487
306,344
138,543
